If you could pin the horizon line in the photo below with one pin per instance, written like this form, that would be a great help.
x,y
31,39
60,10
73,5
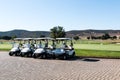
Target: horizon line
x,y
65,30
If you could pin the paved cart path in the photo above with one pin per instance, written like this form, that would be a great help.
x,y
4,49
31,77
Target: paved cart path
x,y
18,68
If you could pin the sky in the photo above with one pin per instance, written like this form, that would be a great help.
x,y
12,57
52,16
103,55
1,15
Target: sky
x,y
42,15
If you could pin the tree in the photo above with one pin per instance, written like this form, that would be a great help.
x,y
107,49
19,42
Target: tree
x,y
114,37
14,36
105,36
76,37
42,35
57,32
88,38
6,37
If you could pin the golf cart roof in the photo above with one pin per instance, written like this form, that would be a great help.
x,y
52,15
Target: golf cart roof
x,y
63,39
23,38
48,38
18,38
38,38
27,38
45,38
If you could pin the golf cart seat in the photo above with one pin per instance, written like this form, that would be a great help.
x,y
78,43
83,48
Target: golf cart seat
x,y
51,47
70,47
39,46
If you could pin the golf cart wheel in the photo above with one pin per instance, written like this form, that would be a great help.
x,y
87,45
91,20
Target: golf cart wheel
x,y
73,55
19,54
28,55
65,57
22,55
34,56
11,53
31,54
16,54
54,57
43,56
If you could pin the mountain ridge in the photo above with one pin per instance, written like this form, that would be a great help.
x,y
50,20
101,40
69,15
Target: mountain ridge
x,y
71,33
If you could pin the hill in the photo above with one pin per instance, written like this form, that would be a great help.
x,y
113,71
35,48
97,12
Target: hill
x,y
86,33
72,33
24,33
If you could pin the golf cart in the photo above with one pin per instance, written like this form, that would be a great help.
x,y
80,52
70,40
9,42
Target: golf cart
x,y
42,48
65,51
16,47
27,48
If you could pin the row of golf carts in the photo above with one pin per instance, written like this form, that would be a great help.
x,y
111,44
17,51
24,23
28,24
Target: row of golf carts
x,y
43,48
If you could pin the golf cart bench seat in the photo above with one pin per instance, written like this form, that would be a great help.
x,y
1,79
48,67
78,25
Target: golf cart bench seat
x,y
50,47
68,47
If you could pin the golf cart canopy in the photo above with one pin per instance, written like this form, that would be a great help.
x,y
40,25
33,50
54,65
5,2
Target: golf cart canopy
x,y
18,39
63,39
27,38
45,38
23,39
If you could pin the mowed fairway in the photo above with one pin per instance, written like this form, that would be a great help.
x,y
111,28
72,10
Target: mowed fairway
x,y
104,49
5,46
107,47
89,45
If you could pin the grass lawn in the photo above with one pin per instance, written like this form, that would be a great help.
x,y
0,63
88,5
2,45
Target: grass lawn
x,y
106,47
97,53
85,49
5,47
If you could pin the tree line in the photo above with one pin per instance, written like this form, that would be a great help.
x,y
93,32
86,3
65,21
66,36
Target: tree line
x,y
103,37
7,37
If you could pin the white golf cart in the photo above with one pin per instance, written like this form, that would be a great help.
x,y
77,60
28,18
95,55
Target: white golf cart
x,y
27,50
42,47
65,51
16,47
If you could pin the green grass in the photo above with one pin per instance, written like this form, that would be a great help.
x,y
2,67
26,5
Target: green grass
x,y
5,47
85,48
97,53
106,47
87,42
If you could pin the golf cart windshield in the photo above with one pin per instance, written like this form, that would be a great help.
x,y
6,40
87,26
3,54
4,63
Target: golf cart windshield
x,y
26,45
65,43
39,46
16,45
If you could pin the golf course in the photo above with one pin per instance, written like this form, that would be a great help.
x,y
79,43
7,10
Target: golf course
x,y
85,48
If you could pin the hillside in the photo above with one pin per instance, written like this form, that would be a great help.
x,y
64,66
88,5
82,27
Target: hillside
x,y
81,33
86,33
24,33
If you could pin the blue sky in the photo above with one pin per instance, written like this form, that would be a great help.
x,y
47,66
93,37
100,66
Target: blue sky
x,y
41,15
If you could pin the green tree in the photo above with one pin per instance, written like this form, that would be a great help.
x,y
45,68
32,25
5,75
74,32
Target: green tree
x,y
14,36
88,38
6,37
57,32
114,37
76,38
42,35
106,36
